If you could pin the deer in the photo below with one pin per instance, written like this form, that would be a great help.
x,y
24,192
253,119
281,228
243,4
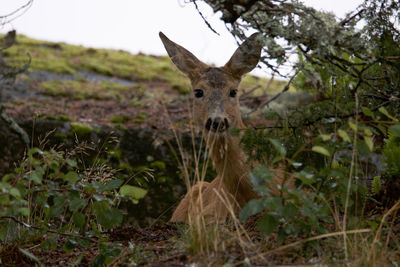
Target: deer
x,y
216,110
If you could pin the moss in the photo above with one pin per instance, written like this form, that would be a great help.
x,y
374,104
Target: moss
x,y
182,89
98,66
140,117
69,59
116,153
137,104
82,89
109,86
159,165
81,129
60,137
119,119
120,127
58,118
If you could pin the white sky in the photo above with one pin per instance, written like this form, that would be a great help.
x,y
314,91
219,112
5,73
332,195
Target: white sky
x,y
133,25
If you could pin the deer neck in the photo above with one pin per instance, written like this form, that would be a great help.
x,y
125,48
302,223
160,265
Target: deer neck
x,y
230,163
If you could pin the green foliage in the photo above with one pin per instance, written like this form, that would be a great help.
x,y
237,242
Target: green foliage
x,y
321,166
391,152
134,192
292,214
51,191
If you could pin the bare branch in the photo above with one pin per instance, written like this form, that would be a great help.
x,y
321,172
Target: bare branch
x,y
205,20
285,89
9,17
41,229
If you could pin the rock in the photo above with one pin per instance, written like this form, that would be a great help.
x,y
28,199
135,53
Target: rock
x,y
13,143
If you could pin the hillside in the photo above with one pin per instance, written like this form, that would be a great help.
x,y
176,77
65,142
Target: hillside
x,y
100,86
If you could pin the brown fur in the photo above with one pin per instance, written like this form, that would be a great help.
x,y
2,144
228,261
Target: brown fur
x,y
230,190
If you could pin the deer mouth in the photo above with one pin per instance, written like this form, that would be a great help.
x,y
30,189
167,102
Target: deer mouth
x,y
217,125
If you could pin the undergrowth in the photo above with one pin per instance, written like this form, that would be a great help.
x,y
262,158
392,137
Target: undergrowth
x,y
53,194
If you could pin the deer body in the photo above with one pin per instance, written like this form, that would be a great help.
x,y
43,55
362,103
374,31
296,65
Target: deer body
x,y
216,109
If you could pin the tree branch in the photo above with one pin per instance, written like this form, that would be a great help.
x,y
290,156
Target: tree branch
x,y
46,230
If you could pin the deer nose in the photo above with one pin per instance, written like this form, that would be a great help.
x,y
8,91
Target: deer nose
x,y
217,124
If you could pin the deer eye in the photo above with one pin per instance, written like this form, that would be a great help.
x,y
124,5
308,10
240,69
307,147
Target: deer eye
x,y
232,93
198,93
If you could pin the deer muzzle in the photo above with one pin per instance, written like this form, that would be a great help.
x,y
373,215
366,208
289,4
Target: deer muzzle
x,y
217,124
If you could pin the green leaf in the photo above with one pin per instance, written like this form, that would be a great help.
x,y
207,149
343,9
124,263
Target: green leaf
x,y
113,184
78,260
384,111
30,255
58,207
106,216
368,141
395,130
15,192
50,243
77,204
367,132
267,224
253,207
71,177
376,185
325,137
273,203
79,219
71,162
353,126
36,176
34,150
234,131
321,150
99,187
69,245
7,177
260,175
278,146
134,192
367,112
305,177
4,200
345,137
24,211
289,210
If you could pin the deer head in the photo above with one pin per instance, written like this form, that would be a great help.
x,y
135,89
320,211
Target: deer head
x,y
216,103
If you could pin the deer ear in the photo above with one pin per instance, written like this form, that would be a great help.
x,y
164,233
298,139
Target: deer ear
x,y
246,57
182,58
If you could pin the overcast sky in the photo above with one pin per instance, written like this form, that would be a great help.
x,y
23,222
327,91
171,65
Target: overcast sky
x,y
133,25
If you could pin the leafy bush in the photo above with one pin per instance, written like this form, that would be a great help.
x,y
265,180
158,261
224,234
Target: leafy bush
x,y
326,189
50,193
391,152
